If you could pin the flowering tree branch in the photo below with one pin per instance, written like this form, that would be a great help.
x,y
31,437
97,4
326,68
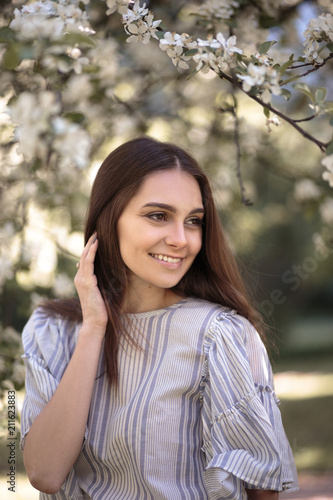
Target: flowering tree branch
x,y
285,117
257,75
315,68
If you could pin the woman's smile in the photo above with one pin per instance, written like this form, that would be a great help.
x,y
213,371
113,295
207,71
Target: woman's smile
x,y
167,261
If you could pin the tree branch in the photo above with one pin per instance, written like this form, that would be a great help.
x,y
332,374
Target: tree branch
x,y
233,110
322,145
305,119
314,68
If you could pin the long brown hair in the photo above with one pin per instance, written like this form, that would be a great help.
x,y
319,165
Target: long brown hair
x,y
214,274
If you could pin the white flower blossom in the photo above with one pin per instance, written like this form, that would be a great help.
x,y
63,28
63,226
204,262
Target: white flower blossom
x,y
7,231
49,19
117,5
8,385
72,143
173,44
142,30
327,162
205,60
105,56
79,88
30,26
10,336
263,59
219,9
63,286
318,30
135,14
216,53
19,371
78,61
228,45
274,120
32,113
264,77
306,190
139,24
319,243
170,40
44,7
326,211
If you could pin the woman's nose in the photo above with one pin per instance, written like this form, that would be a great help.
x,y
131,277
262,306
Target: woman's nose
x,y
176,236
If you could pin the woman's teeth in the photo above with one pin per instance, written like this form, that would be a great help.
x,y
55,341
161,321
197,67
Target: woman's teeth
x,y
165,258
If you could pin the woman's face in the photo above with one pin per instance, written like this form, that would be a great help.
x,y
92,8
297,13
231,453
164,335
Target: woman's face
x,y
160,230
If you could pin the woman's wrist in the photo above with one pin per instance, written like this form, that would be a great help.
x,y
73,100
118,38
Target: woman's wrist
x,y
92,333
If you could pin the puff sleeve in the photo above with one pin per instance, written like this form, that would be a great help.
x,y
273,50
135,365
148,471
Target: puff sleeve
x,y
48,346
243,437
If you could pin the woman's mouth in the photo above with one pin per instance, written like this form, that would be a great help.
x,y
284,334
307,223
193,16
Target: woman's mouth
x,y
166,258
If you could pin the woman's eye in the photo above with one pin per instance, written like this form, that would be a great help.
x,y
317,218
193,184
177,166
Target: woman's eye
x,y
195,221
160,216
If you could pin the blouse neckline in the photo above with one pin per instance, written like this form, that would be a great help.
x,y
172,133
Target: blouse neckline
x,y
158,312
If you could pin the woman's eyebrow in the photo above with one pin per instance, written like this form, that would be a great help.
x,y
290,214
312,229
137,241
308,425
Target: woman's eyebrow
x,y
170,208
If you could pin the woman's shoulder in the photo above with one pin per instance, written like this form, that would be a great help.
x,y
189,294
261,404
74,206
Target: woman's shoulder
x,y
203,305
216,313
45,332
223,321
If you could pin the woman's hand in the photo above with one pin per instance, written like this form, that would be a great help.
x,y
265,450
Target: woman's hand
x,y
94,312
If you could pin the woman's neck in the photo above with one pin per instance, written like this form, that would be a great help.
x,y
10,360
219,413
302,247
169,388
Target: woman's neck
x,y
137,302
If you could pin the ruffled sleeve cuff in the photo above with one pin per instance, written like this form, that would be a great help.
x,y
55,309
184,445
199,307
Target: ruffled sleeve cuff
x,y
244,440
244,444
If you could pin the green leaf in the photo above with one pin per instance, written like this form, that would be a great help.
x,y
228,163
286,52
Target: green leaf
x,y
191,52
286,94
11,58
7,35
264,47
330,46
160,34
320,95
331,121
328,107
304,88
291,79
26,52
286,65
76,38
329,149
75,117
266,112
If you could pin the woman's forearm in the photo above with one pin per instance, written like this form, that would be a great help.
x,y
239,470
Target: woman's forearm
x,y
262,495
56,436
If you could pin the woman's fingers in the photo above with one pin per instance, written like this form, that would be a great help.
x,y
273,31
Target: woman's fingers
x,y
88,254
92,303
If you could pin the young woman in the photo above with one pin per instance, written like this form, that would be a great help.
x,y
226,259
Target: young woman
x,y
155,384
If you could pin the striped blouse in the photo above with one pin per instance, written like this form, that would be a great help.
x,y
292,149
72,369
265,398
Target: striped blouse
x,y
195,416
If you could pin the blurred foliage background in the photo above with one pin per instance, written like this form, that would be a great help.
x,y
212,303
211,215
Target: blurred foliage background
x,y
110,91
